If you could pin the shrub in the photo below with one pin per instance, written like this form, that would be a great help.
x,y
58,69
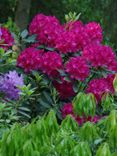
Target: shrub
x,y
57,62
71,57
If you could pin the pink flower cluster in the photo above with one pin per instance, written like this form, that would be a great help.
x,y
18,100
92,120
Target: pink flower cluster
x,y
100,86
70,37
65,89
30,59
51,62
6,39
94,32
47,29
33,59
99,55
68,110
77,68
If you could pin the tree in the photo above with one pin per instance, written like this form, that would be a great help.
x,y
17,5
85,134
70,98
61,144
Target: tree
x,y
22,13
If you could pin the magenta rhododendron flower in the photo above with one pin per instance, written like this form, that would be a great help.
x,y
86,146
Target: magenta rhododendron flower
x,y
9,84
100,86
76,26
73,38
77,68
81,37
6,39
113,66
94,32
67,110
47,29
98,55
65,89
51,62
30,59
70,37
66,42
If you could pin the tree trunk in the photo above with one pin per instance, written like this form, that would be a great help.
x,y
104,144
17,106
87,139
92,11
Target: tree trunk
x,y
22,13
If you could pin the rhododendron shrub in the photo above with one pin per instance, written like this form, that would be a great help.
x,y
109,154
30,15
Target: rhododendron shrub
x,y
72,57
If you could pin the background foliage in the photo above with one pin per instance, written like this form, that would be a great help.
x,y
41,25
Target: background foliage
x,y
103,11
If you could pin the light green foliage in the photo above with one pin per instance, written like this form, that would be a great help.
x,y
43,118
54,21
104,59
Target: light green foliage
x,y
103,150
7,60
45,137
11,26
115,83
86,129
84,104
72,16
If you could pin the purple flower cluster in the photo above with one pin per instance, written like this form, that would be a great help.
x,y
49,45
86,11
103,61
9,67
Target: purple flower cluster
x,y
9,84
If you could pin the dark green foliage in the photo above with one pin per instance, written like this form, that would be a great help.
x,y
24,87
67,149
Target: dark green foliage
x,y
7,9
103,11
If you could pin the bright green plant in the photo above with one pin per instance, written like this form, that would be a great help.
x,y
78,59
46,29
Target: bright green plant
x,y
84,104
45,137
103,150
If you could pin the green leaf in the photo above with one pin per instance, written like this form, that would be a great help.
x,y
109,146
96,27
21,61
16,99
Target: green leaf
x,y
106,101
24,109
62,72
49,49
82,149
44,104
115,83
69,124
103,150
30,39
66,78
75,87
24,33
24,114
